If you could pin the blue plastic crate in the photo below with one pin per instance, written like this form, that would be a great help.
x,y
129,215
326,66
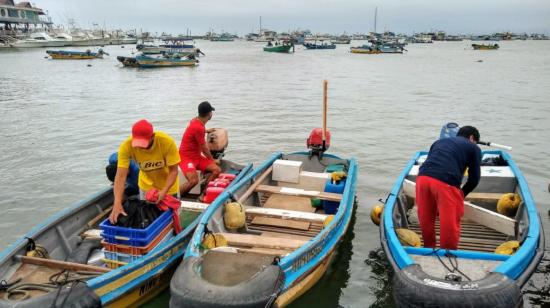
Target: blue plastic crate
x,y
134,237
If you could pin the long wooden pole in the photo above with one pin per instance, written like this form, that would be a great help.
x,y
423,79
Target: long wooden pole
x,y
325,90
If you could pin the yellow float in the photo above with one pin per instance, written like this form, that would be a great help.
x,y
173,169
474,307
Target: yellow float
x,y
508,248
408,237
508,204
376,214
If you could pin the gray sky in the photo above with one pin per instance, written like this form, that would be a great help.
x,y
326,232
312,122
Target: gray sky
x,y
331,16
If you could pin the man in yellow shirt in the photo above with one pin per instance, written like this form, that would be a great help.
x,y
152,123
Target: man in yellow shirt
x,y
157,156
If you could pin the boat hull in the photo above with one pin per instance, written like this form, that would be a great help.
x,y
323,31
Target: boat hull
x,y
282,48
300,269
73,55
486,279
364,51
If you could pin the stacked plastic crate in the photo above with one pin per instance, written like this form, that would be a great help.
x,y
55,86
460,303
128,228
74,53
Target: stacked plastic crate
x,y
123,245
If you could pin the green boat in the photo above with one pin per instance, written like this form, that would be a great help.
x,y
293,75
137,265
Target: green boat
x,y
284,47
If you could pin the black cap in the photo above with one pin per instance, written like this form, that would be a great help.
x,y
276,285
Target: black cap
x,y
205,108
467,131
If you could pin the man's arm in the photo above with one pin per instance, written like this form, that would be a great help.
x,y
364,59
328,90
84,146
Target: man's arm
x,y
474,173
170,180
206,151
118,190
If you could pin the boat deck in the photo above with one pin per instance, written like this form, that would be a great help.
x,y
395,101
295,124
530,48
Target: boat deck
x,y
473,236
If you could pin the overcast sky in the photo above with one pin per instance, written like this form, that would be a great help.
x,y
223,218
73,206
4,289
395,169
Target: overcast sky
x,y
320,16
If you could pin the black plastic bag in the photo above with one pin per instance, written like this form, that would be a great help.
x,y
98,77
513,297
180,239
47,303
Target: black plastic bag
x,y
140,213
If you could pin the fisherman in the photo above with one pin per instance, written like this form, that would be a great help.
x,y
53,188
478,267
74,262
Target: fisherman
x,y
157,156
132,187
438,185
194,153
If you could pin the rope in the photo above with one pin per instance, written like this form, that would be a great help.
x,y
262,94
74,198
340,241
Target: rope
x,y
450,257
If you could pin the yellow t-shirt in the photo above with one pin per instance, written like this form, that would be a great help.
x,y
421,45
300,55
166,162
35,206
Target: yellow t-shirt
x,y
153,163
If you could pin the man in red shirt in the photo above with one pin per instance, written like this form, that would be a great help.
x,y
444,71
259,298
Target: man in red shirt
x,y
194,153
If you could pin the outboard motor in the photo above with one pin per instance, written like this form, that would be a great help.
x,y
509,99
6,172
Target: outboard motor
x,y
316,144
217,142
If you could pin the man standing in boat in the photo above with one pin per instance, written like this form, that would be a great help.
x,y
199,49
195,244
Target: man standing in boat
x,y
157,156
194,152
438,185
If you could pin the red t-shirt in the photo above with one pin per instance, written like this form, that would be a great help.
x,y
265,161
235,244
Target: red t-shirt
x,y
192,140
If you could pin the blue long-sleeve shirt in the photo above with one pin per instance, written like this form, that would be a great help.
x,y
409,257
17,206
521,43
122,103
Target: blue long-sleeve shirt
x,y
448,159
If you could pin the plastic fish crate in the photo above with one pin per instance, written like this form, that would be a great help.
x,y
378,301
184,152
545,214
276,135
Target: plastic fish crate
x,y
135,237
164,236
112,264
121,257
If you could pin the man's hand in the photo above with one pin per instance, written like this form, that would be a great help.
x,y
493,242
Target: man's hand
x,y
117,210
161,196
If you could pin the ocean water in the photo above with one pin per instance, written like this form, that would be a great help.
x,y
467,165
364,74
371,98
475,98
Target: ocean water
x,y
60,120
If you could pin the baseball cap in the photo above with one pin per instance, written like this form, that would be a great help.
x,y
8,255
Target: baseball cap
x,y
205,108
142,131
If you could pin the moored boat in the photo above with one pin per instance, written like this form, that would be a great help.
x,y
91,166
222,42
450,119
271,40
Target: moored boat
x,y
59,272
496,253
485,47
76,55
37,40
366,49
128,61
283,47
168,60
282,244
319,46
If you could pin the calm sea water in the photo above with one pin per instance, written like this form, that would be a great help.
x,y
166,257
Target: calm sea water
x,y
61,119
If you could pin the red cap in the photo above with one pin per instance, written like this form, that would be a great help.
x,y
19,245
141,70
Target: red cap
x,y
142,131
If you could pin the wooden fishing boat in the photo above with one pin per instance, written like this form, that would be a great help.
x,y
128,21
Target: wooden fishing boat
x,y
366,49
319,46
164,61
76,55
128,61
284,47
485,47
285,244
475,275
62,277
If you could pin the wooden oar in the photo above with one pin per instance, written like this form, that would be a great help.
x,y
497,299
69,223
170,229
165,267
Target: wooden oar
x,y
495,145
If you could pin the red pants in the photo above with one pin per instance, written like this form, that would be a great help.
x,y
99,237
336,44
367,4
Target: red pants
x,y
433,196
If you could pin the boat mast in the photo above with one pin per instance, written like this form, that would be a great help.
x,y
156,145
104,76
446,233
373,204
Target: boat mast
x,y
260,32
375,16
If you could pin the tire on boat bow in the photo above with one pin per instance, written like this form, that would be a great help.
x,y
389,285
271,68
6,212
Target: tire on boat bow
x,y
189,289
414,288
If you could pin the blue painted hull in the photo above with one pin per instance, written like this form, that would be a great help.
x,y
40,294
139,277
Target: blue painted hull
x,y
301,268
500,287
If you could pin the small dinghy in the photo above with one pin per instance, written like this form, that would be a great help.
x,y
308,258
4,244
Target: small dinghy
x,y
496,254
166,60
485,47
65,261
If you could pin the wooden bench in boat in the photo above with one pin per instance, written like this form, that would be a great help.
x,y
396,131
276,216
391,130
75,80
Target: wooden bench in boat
x,y
299,192
476,213
260,241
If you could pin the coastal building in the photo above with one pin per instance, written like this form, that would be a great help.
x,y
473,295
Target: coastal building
x,y
21,16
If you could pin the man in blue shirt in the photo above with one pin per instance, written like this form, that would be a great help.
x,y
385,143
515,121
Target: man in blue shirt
x,y
438,185
132,187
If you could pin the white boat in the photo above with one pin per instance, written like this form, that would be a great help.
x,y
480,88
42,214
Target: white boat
x,y
64,37
40,39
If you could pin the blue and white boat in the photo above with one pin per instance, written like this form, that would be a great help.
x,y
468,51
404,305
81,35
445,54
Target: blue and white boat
x,y
284,245
496,254
59,263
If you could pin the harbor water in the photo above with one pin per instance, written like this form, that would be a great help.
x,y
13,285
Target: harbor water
x,y
60,120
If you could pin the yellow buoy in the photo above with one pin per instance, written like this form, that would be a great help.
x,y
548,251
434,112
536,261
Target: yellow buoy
x,y
338,176
408,237
328,220
234,216
508,248
508,204
213,240
376,214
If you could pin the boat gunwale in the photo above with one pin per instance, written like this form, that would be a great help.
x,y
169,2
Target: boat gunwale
x,y
512,267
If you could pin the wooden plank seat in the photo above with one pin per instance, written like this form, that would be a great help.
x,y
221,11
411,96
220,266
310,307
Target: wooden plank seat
x,y
473,236
259,241
283,223
285,214
299,192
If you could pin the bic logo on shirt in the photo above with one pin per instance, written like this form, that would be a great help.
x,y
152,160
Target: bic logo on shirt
x,y
151,165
